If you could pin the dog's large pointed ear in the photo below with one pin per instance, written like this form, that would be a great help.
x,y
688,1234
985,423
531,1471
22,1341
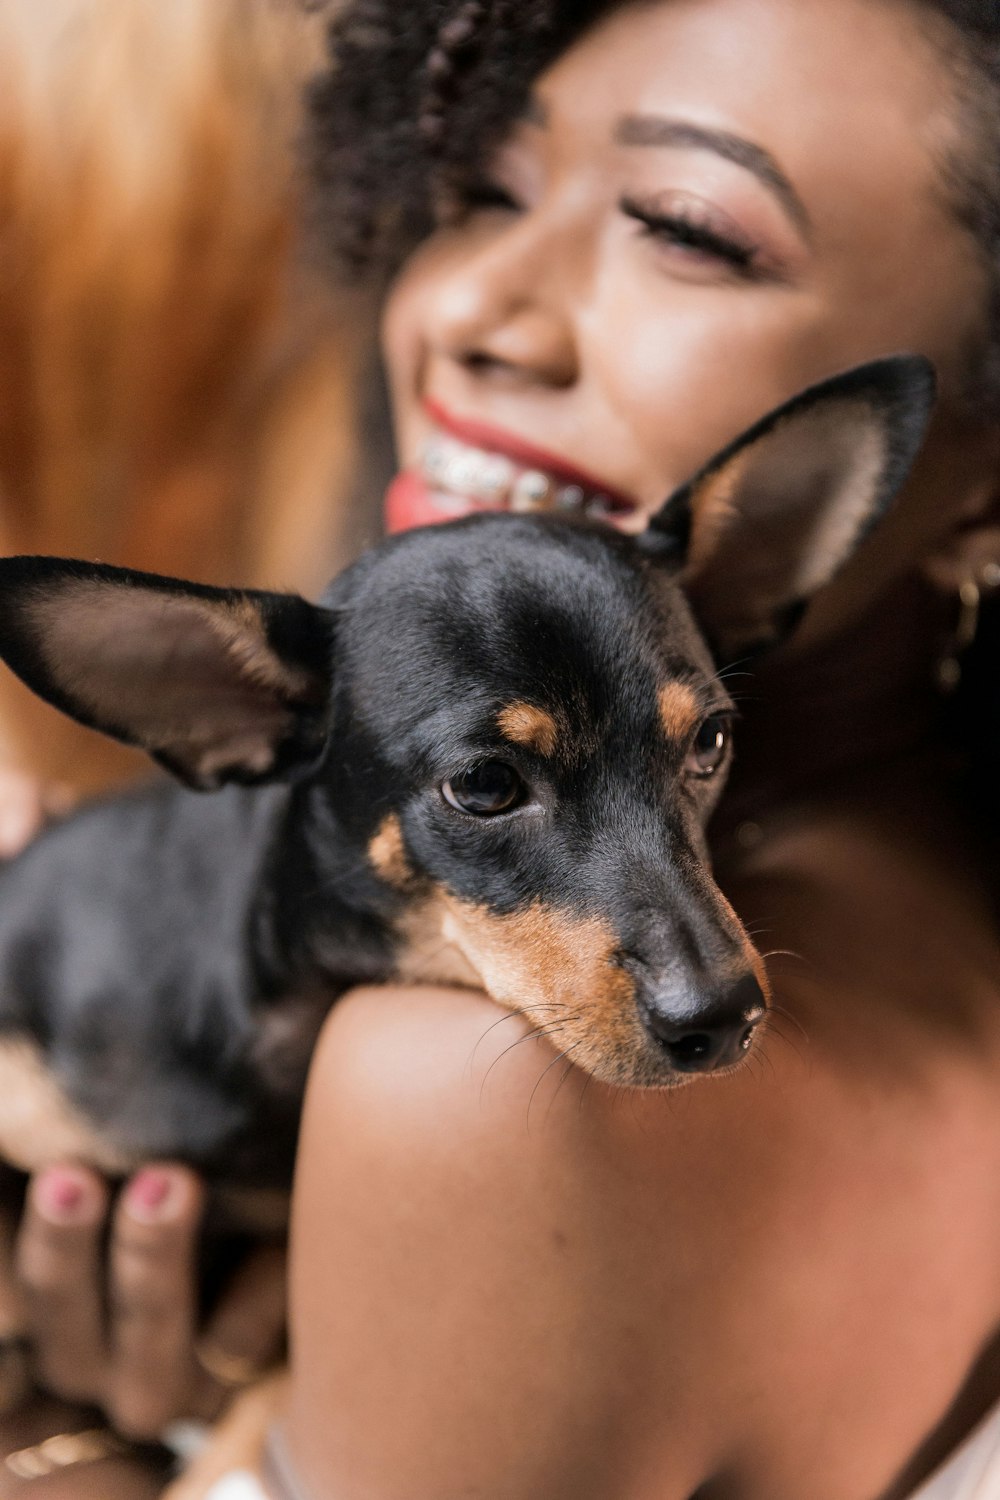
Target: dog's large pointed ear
x,y
774,516
216,684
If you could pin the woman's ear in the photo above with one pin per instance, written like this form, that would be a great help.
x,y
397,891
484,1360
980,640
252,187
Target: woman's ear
x,y
775,515
217,685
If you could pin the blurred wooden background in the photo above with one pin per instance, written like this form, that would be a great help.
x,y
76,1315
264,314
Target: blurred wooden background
x,y
176,384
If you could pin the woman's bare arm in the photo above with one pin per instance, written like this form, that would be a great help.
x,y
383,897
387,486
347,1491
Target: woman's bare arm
x,y
507,1280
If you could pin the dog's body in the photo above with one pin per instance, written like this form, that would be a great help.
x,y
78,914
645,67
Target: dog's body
x,y
154,947
505,737
137,995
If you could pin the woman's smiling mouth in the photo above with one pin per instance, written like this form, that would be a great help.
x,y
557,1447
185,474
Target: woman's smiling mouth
x,y
466,466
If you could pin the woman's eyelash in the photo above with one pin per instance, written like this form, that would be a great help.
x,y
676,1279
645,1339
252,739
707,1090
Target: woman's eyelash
x,y
681,229
485,194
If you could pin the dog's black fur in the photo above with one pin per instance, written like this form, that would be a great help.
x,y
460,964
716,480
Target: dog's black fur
x,y
166,959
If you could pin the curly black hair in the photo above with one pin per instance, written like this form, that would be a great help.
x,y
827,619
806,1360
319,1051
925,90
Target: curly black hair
x,y
419,91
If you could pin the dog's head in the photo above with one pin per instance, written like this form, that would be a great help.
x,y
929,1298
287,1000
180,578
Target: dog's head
x,y
515,720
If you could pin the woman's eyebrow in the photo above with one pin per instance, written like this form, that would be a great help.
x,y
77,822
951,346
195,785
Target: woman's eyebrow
x,y
656,130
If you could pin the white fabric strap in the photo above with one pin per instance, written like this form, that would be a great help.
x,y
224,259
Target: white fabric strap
x,y
240,1485
973,1472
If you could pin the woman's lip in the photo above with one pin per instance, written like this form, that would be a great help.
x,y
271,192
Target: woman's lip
x,y
409,502
495,440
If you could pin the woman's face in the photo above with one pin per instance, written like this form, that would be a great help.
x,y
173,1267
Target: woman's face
x,y
712,204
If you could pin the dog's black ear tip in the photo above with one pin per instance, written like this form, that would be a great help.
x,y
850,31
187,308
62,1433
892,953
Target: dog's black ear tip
x,y
667,535
906,380
660,545
16,567
924,370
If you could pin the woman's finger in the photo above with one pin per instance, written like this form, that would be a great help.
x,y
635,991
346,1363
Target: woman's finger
x,y
58,1259
245,1335
152,1299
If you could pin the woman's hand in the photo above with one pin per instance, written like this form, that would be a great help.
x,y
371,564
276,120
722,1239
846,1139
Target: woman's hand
x,y
111,1294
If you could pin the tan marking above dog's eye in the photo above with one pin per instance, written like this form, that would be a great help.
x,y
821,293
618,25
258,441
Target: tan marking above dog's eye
x,y
534,728
680,711
387,853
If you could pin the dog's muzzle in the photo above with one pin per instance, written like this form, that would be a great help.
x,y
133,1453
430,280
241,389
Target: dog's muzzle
x,y
710,1036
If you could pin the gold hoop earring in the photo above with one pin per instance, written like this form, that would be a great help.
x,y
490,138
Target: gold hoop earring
x,y
970,600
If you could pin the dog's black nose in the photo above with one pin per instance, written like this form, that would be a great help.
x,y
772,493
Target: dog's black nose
x,y
713,1036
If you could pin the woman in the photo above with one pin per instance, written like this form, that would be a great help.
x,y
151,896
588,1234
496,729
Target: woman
x,y
785,1284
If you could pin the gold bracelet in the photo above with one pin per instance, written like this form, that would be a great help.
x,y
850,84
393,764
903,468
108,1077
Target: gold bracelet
x,y
63,1450
231,1371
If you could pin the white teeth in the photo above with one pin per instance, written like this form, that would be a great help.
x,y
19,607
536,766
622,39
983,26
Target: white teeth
x,y
461,472
433,460
455,468
598,508
531,491
570,497
467,471
496,475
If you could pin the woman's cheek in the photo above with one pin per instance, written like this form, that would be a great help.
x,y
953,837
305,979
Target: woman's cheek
x,y
401,352
693,376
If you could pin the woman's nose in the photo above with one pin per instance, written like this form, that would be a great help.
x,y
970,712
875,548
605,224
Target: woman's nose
x,y
503,313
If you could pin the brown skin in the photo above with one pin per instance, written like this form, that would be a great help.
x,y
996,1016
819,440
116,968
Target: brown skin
x,y
779,1283
775,1284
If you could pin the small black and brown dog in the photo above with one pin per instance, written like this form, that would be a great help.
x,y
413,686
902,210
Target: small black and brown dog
x,y
487,756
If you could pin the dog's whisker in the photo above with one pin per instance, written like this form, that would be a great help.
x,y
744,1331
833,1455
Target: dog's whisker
x,y
619,1092
559,1057
739,668
511,1015
529,1036
588,1080
757,1060
772,1027
782,1010
569,1068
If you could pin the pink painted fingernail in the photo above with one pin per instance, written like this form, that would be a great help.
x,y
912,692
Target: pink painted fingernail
x,y
62,1194
148,1193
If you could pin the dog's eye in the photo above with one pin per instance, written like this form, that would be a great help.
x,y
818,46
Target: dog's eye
x,y
710,746
485,789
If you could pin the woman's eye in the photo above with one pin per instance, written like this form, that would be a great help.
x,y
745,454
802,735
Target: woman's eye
x,y
490,195
710,747
485,789
473,197
688,229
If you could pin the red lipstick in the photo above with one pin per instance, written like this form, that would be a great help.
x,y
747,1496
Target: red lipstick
x,y
495,440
